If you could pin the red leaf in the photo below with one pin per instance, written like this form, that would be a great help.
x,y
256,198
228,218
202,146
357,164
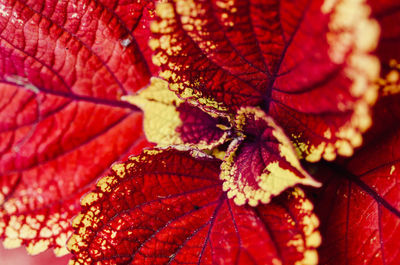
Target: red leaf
x,y
169,120
64,66
386,113
359,205
167,206
290,58
387,13
261,164
199,127
75,48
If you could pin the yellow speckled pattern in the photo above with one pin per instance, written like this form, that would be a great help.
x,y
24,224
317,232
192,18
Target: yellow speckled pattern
x,y
40,227
391,83
162,118
351,28
310,225
160,115
274,179
170,46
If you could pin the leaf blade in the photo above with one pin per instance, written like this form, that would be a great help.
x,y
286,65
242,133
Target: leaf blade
x,y
297,86
167,206
64,68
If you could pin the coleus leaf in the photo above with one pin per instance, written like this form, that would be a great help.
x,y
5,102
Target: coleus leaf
x,y
64,66
167,206
359,204
169,120
387,13
260,162
305,63
263,163
386,113
79,35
